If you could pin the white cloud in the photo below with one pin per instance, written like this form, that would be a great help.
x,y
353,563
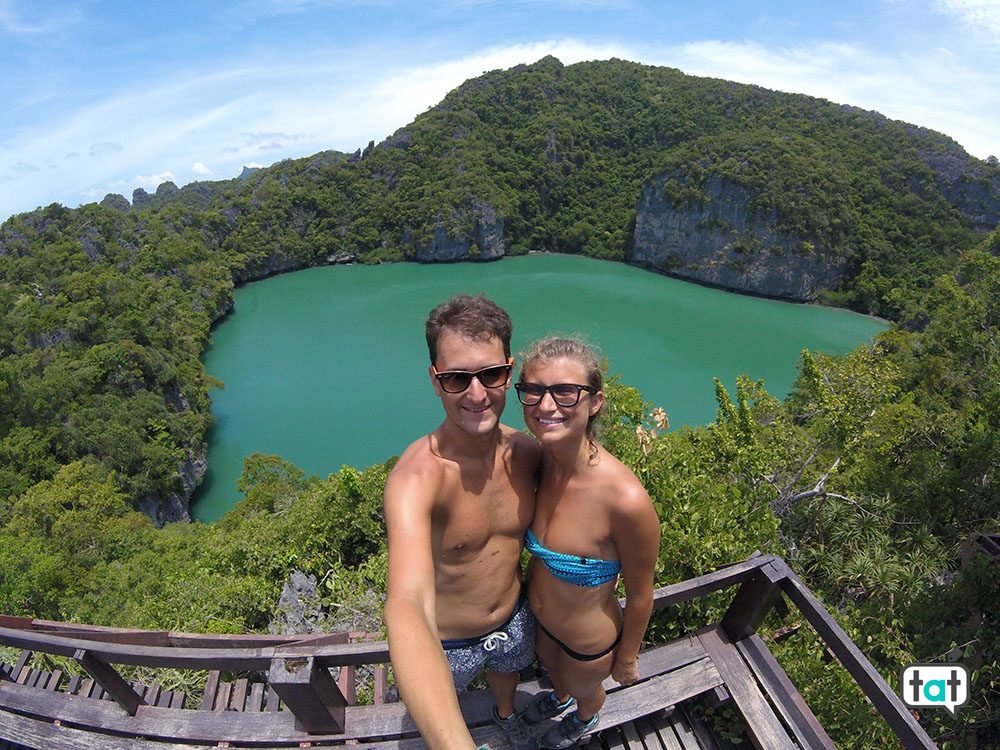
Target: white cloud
x,y
984,14
200,169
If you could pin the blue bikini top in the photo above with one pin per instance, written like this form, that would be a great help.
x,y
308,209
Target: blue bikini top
x,y
580,571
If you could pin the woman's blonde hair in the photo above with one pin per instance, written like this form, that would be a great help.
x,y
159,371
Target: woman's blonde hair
x,y
554,347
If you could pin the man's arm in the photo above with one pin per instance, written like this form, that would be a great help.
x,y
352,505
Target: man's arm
x,y
422,672
636,530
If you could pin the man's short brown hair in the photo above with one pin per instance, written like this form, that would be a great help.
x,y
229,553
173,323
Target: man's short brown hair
x,y
472,317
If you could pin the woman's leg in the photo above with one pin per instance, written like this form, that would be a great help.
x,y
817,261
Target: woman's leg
x,y
548,653
572,677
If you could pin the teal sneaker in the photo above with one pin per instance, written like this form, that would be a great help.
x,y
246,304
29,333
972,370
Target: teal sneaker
x,y
545,706
568,732
516,730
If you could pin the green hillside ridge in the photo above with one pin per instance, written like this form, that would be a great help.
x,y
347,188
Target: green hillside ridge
x,y
868,478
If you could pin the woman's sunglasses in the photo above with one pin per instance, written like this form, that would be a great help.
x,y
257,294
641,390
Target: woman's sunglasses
x,y
456,381
564,394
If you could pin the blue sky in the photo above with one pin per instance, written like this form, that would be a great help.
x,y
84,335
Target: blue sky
x,y
107,96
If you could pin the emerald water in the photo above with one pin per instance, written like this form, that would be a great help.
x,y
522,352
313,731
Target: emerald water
x,y
328,366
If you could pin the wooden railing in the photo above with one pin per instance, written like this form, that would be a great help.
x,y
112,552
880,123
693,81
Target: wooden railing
x,y
298,670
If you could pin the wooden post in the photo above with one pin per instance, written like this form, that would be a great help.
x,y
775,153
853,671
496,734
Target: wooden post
x,y
347,682
381,680
112,682
752,602
310,694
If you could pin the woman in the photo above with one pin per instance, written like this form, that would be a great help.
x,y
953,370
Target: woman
x,y
593,522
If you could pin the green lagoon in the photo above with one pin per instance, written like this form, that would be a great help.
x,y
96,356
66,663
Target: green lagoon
x,y
328,366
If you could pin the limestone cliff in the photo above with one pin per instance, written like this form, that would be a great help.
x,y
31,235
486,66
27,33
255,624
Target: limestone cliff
x,y
479,236
721,241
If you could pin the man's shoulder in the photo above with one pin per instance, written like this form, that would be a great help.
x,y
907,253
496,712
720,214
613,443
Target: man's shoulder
x,y
520,441
419,463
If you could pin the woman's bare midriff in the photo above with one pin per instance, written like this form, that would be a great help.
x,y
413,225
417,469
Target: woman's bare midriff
x,y
586,619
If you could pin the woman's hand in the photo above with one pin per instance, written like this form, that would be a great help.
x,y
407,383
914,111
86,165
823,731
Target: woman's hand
x,y
626,668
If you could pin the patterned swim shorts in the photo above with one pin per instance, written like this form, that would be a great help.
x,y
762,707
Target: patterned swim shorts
x,y
509,648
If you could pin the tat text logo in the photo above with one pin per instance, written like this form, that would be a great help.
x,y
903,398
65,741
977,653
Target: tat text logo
x,y
935,686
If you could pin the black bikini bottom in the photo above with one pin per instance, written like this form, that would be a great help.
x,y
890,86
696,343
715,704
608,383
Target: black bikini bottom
x,y
576,654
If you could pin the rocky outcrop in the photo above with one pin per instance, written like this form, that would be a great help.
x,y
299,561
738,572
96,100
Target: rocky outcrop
x,y
164,510
116,202
721,242
483,241
299,611
966,183
273,263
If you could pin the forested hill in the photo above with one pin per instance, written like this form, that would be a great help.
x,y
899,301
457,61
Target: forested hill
x,y
873,478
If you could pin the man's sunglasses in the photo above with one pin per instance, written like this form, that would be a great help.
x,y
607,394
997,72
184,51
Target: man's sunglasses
x,y
456,381
564,394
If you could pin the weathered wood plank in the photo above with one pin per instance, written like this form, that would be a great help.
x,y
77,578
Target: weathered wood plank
x,y
685,734
614,739
12,621
151,694
184,657
35,733
255,702
54,680
646,730
631,736
22,663
662,724
211,688
697,587
238,699
381,686
663,690
222,696
347,682
273,701
787,699
765,730
706,740
135,637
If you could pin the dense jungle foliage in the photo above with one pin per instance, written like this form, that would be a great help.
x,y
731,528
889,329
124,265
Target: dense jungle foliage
x,y
871,478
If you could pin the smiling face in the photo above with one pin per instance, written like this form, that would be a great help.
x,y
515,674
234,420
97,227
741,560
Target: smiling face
x,y
547,420
477,409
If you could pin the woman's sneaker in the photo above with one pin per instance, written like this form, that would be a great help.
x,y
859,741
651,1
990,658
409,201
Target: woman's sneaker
x,y
545,706
568,732
516,730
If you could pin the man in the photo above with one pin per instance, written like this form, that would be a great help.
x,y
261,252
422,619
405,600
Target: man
x,y
457,504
